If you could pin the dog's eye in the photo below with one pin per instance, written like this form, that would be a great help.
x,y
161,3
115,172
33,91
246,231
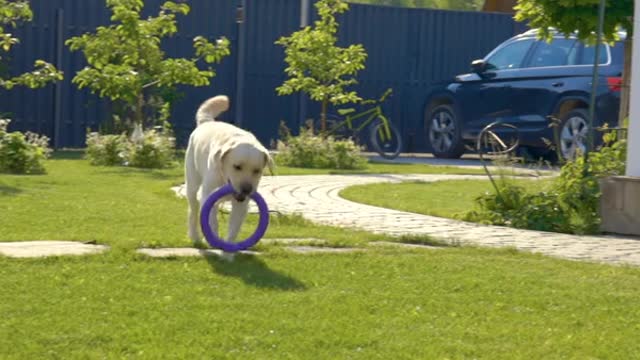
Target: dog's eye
x,y
237,167
256,171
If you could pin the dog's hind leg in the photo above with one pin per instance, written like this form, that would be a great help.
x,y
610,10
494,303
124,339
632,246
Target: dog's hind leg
x,y
239,212
193,181
194,212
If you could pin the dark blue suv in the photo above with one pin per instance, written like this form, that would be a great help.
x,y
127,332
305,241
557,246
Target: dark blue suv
x,y
526,82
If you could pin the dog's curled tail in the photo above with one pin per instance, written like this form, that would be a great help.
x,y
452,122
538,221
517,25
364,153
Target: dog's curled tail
x,y
211,108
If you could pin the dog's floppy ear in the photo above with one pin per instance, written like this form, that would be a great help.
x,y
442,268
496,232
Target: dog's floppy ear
x,y
268,161
224,150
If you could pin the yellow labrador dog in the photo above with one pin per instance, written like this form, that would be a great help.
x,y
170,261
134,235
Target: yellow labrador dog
x,y
220,153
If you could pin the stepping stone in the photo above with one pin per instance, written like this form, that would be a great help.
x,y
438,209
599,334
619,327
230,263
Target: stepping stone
x,y
35,249
405,245
320,250
293,241
188,252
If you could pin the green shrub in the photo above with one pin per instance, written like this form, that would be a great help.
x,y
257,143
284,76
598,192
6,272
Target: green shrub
x,y
22,153
310,151
152,150
569,206
514,207
107,150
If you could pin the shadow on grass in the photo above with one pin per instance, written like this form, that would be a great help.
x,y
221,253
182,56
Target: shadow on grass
x,y
123,171
6,190
427,240
67,155
253,271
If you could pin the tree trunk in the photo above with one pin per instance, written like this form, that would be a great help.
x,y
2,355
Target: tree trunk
x,y
505,6
139,115
626,80
323,115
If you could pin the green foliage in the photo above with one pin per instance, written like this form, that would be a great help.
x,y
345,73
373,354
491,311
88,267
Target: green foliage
x,y
310,151
22,153
570,206
156,112
13,13
435,4
154,150
125,58
515,207
576,15
316,65
107,150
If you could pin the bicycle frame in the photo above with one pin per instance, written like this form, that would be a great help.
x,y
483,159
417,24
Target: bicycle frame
x,y
373,113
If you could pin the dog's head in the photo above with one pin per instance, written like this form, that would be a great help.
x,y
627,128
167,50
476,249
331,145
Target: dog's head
x,y
243,165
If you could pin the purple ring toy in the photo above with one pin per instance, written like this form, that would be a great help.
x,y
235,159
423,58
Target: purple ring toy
x,y
214,240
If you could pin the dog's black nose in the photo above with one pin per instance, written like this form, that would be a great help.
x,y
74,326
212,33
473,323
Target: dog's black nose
x,y
246,188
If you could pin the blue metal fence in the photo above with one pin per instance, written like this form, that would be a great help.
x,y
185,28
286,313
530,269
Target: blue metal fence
x,y
409,49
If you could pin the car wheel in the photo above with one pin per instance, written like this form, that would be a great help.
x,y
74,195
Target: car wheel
x,y
444,133
574,134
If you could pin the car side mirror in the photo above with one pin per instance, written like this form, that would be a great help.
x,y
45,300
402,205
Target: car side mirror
x,y
479,66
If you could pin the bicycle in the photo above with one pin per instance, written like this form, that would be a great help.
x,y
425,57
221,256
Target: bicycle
x,y
383,134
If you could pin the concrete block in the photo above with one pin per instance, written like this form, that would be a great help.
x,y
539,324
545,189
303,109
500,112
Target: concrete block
x,y
620,205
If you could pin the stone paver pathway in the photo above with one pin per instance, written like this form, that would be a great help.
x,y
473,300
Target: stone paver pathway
x,y
316,198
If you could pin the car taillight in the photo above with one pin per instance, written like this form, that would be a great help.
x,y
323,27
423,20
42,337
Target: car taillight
x,y
615,83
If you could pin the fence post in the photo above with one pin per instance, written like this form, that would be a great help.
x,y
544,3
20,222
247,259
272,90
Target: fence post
x,y
302,102
241,15
57,96
304,13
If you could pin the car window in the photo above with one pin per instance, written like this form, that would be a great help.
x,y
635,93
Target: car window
x,y
509,57
589,53
558,52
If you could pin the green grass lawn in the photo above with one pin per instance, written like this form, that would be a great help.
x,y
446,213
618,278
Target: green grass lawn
x,y
442,198
123,207
384,168
458,302
452,303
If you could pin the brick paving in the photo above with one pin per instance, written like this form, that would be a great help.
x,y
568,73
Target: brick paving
x,y
316,197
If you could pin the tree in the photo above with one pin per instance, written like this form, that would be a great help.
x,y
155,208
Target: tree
x,y
11,14
581,16
126,61
317,66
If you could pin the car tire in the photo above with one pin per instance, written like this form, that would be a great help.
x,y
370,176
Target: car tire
x,y
573,134
444,133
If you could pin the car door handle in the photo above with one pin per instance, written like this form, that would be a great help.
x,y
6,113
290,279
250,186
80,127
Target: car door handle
x,y
557,84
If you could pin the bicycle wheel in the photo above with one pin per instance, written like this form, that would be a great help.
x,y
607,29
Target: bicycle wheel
x,y
388,147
